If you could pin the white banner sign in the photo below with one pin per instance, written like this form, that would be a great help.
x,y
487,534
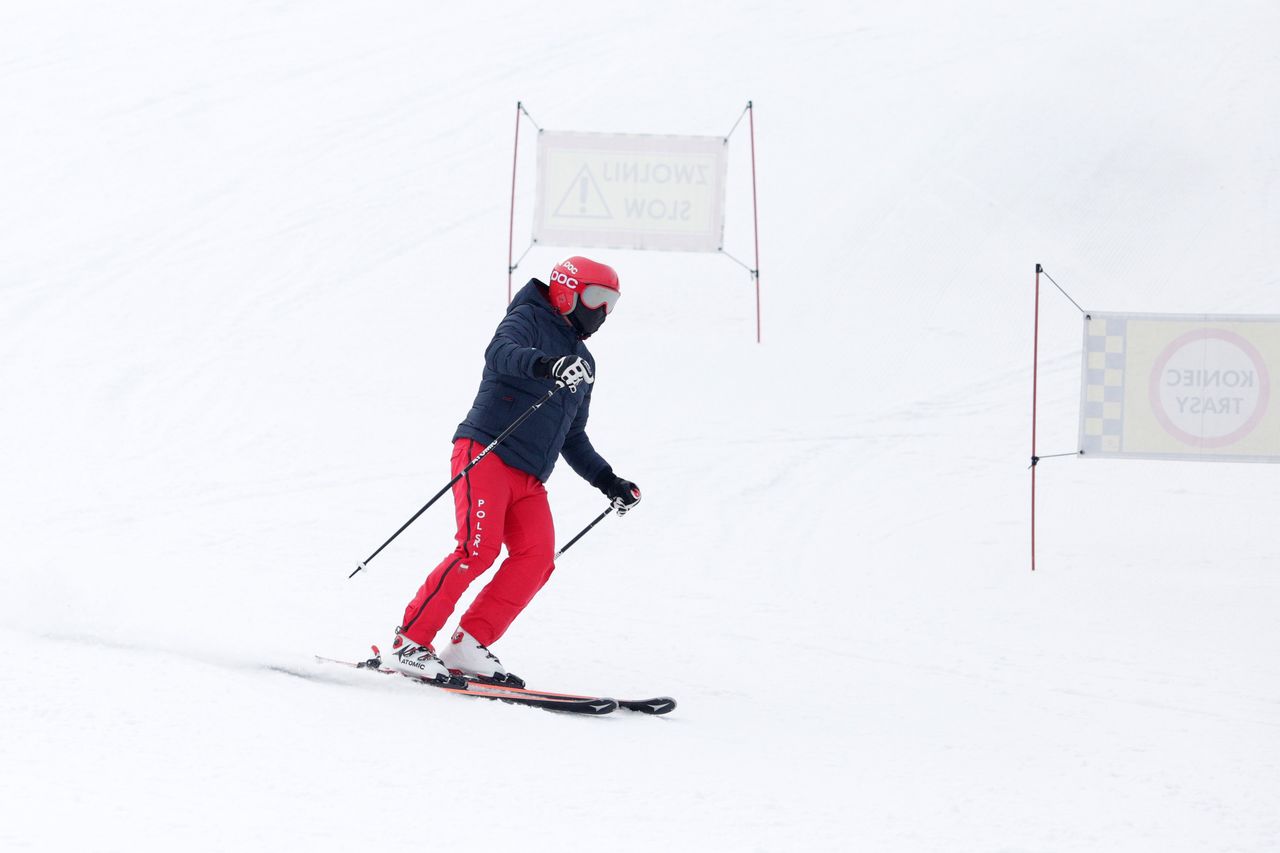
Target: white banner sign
x,y
1176,386
630,191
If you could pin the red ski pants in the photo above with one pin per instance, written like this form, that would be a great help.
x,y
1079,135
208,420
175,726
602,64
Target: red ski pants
x,y
496,505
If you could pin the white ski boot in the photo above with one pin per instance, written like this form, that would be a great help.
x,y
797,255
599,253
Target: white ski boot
x,y
464,655
418,661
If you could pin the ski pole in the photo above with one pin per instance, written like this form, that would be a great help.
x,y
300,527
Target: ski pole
x,y
584,531
473,463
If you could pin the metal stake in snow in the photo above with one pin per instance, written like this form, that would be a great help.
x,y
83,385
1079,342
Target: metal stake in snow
x,y
1035,386
473,463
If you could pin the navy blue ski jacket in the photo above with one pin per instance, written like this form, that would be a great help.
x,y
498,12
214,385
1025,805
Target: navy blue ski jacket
x,y
531,330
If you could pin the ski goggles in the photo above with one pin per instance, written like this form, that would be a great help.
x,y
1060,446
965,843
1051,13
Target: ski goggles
x,y
594,296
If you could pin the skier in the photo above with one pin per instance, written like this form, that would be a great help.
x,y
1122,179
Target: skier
x,y
502,500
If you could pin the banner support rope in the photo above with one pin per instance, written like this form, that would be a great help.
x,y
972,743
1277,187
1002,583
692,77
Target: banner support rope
x,y
1035,460
739,263
738,122
1060,290
520,105
512,269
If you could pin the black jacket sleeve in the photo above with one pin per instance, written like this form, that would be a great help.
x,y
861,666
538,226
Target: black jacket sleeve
x,y
513,350
577,449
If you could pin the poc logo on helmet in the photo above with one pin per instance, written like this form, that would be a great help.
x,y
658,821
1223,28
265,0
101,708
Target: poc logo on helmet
x,y
568,264
558,277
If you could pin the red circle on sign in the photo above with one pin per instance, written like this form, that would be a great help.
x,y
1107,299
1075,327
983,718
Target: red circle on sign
x,y
1264,388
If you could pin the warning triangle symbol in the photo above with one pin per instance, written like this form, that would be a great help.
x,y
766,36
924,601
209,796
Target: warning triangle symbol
x,y
583,199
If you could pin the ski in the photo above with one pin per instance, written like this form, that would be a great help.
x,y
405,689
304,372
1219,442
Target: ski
x,y
517,693
589,705
655,706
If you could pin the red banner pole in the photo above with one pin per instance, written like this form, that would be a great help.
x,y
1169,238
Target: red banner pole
x,y
1035,371
755,217
511,227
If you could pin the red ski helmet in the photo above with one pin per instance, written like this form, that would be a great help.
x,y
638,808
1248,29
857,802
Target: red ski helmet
x,y
571,278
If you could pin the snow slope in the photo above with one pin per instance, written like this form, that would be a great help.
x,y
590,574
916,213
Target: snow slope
x,y
249,258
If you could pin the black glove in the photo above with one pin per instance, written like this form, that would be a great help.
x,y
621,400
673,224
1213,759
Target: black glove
x,y
568,370
624,493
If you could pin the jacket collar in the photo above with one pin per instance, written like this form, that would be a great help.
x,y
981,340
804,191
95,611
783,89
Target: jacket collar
x,y
535,293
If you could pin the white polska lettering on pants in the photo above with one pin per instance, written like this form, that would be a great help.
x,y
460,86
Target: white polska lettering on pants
x,y
478,528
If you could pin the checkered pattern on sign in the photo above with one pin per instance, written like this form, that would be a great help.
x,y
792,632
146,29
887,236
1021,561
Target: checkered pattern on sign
x,y
1102,412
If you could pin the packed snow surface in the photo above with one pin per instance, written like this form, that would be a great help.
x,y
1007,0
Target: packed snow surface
x,y
251,253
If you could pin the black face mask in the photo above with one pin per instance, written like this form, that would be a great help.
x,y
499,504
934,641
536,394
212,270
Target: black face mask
x,y
586,321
